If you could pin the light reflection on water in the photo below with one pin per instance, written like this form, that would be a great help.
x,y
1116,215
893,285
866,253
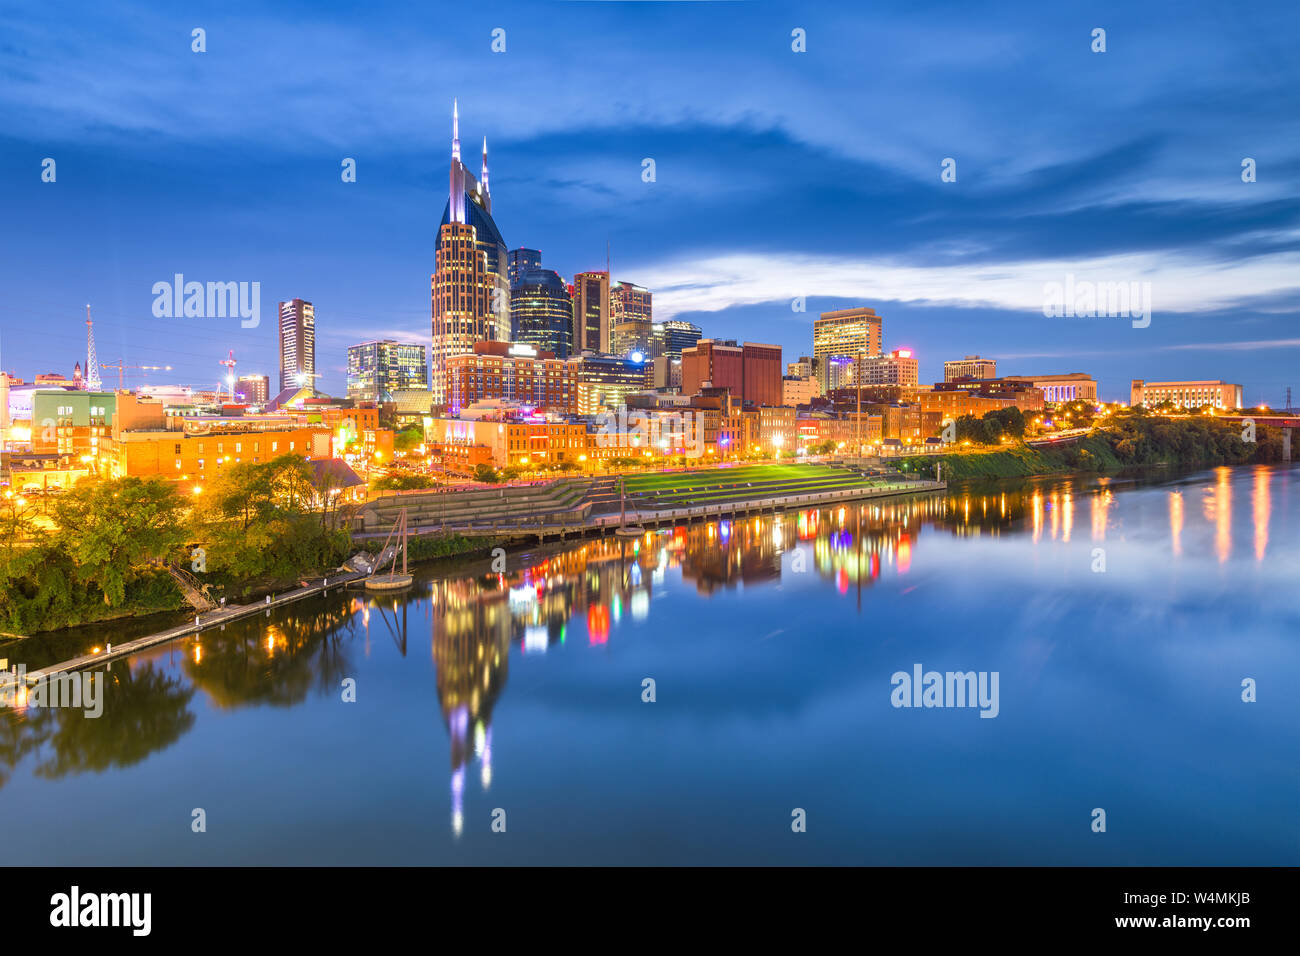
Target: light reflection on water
x,y
771,642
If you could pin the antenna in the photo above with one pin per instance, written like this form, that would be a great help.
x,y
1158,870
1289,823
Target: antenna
x,y
92,382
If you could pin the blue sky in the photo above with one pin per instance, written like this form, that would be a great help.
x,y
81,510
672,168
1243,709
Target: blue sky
x,y
778,174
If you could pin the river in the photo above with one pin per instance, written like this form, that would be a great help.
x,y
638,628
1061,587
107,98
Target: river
x,y
503,717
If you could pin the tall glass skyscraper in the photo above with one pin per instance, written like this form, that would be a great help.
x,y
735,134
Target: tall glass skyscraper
x,y
523,260
541,309
469,286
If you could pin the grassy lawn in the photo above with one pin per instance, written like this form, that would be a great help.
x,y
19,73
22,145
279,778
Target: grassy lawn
x,y
713,477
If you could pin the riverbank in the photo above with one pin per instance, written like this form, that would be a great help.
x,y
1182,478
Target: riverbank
x,y
1134,441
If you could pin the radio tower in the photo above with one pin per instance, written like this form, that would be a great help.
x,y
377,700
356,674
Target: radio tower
x,y
92,382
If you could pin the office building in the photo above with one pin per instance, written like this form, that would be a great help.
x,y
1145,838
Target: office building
x,y
512,372
541,310
630,318
899,367
470,285
521,261
604,381
591,331
377,369
972,366
253,389
1190,394
1072,386
844,333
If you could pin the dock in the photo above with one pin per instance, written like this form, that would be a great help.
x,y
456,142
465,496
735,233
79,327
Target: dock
x,y
202,622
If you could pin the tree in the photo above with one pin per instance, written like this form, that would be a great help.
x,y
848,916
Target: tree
x,y
112,531
408,438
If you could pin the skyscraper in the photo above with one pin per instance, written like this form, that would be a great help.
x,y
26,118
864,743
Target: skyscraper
x,y
297,344
521,261
541,311
630,319
671,337
845,334
591,312
470,286
377,369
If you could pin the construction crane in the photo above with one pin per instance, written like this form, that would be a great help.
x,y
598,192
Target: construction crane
x,y
229,363
122,367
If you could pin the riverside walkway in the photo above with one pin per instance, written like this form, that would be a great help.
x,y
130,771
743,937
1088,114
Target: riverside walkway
x,y
202,622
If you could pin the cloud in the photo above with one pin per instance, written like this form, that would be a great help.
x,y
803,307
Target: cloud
x,y
1179,283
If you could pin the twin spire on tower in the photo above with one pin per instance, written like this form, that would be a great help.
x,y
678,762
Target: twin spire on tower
x,y
455,143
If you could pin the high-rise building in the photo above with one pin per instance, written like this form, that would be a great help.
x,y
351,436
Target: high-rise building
x,y
377,369
671,337
972,366
630,319
470,286
253,389
845,333
750,372
800,369
521,261
541,308
297,344
1189,394
591,331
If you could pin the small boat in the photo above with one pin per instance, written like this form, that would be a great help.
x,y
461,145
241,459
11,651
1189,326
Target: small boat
x,y
389,582
629,531
392,581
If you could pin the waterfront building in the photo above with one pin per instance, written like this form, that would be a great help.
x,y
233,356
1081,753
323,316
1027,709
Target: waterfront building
x,y
377,369
1188,394
841,334
470,285
197,449
513,372
773,430
978,397
1060,388
541,310
591,331
297,344
972,366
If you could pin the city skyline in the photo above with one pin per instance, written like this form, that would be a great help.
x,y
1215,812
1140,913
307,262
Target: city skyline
x,y
954,268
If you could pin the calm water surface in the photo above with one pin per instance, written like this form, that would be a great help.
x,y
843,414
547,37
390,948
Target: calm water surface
x,y
771,643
